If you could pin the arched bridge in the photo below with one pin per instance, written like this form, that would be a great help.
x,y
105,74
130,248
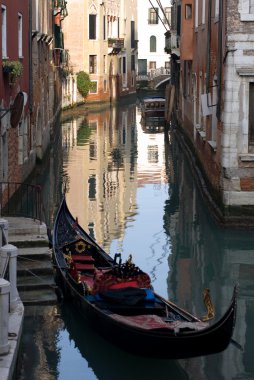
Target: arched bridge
x,y
156,77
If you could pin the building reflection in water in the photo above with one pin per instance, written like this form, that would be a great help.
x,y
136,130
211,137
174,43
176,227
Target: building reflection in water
x,y
108,160
205,255
101,166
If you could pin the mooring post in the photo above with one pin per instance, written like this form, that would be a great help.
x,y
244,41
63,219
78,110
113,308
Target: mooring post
x,y
10,252
4,316
4,229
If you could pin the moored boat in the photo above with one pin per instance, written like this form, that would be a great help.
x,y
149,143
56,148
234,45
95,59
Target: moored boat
x,y
153,106
117,299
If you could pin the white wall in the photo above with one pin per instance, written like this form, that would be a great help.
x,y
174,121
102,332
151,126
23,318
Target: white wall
x,y
145,31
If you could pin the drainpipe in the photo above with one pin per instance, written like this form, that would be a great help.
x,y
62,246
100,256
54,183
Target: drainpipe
x,y
4,316
30,58
208,61
218,108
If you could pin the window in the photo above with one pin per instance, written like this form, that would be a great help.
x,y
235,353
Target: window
x,y
22,142
36,15
92,64
196,13
203,11
4,158
216,8
246,10
105,85
132,34
124,71
4,35
167,65
187,78
120,66
188,11
251,114
91,230
132,80
93,88
167,12
152,65
104,64
92,187
153,154
152,44
124,65
104,28
153,16
20,30
251,6
178,22
92,27
132,62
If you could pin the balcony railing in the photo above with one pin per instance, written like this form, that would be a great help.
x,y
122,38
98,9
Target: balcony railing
x,y
116,43
60,7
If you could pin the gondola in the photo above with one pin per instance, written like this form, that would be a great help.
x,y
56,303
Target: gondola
x,y
117,299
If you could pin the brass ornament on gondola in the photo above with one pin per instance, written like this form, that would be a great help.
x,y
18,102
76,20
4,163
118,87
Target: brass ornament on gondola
x,y
80,246
209,305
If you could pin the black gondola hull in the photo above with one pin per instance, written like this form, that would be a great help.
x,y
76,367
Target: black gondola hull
x,y
158,343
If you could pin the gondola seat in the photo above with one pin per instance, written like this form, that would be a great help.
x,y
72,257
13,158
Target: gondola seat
x,y
106,280
83,258
83,262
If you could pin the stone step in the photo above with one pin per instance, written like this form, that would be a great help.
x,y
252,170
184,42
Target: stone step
x,y
23,226
34,253
31,282
45,269
28,240
39,297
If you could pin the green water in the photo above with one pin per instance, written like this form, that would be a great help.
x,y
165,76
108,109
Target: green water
x,y
137,195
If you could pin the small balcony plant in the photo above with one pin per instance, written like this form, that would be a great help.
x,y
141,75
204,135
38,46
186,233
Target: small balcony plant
x,y
13,68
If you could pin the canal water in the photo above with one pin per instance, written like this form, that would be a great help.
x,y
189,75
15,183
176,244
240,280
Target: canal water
x,y
135,192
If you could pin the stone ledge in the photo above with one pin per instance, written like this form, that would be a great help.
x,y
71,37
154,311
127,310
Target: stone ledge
x,y
245,71
247,157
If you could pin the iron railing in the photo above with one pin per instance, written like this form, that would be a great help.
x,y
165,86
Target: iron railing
x,y
21,199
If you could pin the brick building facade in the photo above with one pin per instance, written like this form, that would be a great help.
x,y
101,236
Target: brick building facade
x,y
27,42
213,70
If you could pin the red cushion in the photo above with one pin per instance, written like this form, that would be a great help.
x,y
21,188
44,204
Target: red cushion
x,y
121,285
84,266
82,258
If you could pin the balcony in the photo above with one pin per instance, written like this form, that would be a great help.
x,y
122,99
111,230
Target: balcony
x,y
60,8
115,45
60,57
174,44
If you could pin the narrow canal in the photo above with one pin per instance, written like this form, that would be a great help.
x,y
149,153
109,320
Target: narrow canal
x,y
136,194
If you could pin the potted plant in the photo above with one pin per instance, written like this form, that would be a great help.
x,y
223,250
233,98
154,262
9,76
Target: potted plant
x,y
13,68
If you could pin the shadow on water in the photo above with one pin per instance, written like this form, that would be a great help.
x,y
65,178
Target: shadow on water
x,y
110,363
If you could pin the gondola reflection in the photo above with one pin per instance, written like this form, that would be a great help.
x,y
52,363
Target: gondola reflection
x,y
107,361
153,124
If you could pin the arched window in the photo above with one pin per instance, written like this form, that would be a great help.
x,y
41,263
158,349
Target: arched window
x,y
152,44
